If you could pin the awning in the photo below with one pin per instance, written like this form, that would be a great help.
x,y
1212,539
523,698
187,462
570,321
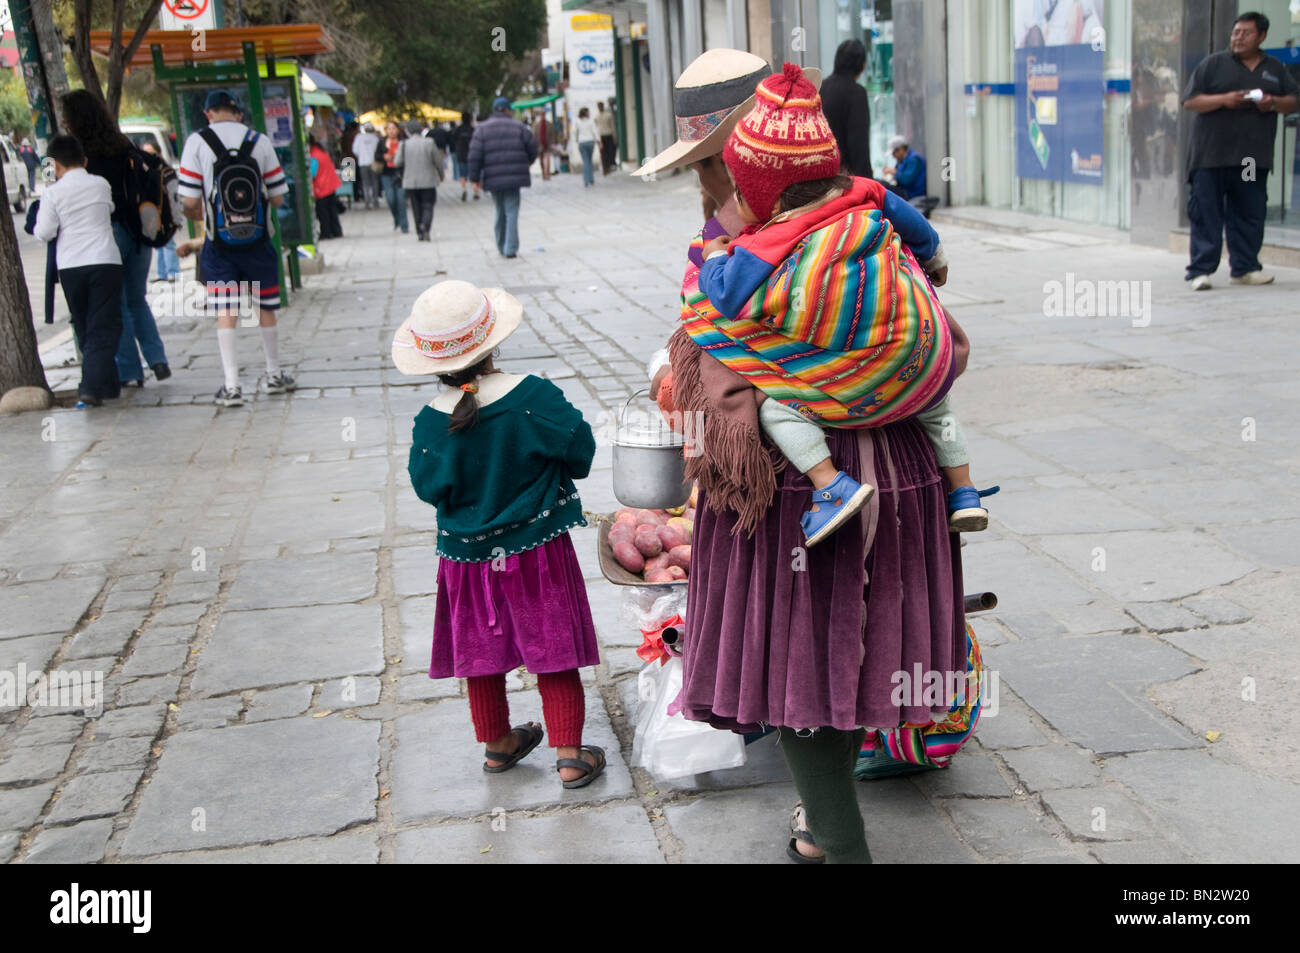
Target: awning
x,y
316,98
422,111
301,39
315,80
539,101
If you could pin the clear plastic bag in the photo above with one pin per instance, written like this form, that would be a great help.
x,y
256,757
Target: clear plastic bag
x,y
645,609
669,746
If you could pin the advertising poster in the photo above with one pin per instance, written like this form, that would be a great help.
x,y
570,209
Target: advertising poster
x,y
589,48
1060,88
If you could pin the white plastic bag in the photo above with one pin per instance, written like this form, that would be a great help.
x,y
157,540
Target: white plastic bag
x,y
669,746
646,610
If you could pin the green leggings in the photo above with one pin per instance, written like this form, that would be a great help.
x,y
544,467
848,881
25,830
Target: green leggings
x,y
822,766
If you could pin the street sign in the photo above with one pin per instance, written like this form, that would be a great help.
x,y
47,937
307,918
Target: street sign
x,y
188,15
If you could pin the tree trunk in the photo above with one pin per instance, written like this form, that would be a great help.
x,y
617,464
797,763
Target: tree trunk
x,y
51,45
20,361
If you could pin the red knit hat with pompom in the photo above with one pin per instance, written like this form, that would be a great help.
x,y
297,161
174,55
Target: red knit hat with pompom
x,y
785,139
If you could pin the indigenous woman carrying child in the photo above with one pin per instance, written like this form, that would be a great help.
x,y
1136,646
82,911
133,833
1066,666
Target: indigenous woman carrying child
x,y
497,455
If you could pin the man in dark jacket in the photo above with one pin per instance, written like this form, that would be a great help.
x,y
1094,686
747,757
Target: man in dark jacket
x,y
845,104
500,153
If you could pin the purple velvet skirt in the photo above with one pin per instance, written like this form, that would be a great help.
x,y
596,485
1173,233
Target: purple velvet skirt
x,y
780,635
533,611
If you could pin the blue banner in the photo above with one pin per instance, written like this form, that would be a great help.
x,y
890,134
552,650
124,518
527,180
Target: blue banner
x,y
1059,123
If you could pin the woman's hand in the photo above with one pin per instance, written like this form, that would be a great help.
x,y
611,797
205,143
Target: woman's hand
x,y
659,379
721,243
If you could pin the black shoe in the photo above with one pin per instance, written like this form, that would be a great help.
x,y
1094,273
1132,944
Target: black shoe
x,y
160,371
139,382
88,400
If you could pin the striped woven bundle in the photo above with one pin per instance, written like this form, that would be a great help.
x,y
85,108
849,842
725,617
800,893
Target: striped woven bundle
x,y
847,329
915,747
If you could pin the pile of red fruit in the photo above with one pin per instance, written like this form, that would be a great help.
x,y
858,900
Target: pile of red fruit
x,y
655,543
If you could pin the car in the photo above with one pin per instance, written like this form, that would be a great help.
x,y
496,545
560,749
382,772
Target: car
x,y
17,193
155,132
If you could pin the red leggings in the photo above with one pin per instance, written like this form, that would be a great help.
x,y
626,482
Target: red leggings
x,y
563,707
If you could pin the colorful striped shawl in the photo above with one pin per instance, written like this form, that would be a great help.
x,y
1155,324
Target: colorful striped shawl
x,y
847,329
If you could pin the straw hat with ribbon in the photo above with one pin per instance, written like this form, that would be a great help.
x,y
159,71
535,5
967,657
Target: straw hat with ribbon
x,y
710,96
454,325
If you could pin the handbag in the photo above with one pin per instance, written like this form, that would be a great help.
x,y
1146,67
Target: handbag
x,y
377,166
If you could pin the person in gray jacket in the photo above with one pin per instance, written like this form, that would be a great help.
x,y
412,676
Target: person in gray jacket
x,y
421,163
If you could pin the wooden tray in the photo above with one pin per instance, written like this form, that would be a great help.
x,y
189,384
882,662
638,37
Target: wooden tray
x,y
609,566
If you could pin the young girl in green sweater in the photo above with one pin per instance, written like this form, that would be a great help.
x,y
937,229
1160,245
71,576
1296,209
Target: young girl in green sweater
x,y
497,455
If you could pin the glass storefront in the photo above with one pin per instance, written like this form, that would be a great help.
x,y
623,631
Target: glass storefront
x,y
871,22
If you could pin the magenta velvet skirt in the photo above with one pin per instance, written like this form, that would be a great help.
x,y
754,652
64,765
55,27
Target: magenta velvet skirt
x,y
532,612
771,641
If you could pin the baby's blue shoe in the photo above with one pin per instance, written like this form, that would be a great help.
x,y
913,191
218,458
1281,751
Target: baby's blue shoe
x,y
835,502
965,514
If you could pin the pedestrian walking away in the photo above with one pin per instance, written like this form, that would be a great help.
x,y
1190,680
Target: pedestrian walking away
x,y
222,166
76,213
604,120
844,102
497,455
585,130
391,177
109,154
460,153
421,164
542,133
27,153
364,147
500,153
325,184
1236,96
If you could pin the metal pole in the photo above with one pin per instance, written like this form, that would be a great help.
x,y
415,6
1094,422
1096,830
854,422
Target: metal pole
x,y
636,92
622,102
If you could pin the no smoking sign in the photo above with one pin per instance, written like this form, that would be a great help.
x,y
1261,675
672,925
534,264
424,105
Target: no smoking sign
x,y
187,15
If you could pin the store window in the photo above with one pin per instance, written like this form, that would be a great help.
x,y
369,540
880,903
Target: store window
x,y
871,22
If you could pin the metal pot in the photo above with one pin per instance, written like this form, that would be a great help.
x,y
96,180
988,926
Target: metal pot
x,y
649,469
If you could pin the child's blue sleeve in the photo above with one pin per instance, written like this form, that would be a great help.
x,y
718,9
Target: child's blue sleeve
x,y
911,226
731,281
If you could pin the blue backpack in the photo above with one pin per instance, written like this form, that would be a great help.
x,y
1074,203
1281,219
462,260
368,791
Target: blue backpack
x,y
237,200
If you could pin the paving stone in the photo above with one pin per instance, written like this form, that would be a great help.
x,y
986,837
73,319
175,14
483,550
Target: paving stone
x,y
20,808
1032,625
1164,617
178,615
154,637
1075,510
209,712
34,652
987,631
283,646
1098,813
1091,689
438,767
34,764
35,608
144,691
1053,766
415,571
155,660
125,600
1252,816
115,755
1217,611
350,848
279,703
1139,852
1094,619
1005,830
316,514
277,780
1007,725
53,730
8,846
1223,642
83,843
1006,566
93,795
971,773
107,635
610,835
204,592
416,618
622,661
303,581
130,722
352,691
420,687
138,581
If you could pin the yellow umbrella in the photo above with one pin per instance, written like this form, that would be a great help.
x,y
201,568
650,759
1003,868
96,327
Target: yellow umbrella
x,y
415,111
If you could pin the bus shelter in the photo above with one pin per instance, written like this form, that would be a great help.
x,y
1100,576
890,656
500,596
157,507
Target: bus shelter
x,y
257,65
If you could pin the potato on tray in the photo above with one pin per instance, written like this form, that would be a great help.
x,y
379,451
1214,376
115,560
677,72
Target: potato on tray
x,y
639,547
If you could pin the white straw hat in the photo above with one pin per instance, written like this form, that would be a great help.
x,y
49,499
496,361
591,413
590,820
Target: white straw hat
x,y
452,326
713,94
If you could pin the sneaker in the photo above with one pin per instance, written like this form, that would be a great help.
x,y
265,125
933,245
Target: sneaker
x,y
965,514
1202,283
1260,277
836,503
279,383
160,371
229,397
462,195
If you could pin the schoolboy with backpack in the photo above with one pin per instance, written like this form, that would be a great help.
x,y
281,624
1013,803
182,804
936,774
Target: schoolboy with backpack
x,y
231,179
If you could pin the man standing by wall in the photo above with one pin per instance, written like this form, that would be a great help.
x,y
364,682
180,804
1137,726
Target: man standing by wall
x,y
608,142
499,156
1236,96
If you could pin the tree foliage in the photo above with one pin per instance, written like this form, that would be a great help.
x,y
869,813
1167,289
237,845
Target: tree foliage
x,y
15,116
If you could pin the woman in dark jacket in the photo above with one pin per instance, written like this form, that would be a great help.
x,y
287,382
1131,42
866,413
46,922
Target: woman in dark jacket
x,y
460,153
845,104
500,153
107,155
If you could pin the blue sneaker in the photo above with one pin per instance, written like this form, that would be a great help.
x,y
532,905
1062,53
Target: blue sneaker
x,y
836,502
965,514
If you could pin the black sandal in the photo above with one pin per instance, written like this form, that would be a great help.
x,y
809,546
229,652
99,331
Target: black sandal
x,y
532,737
593,771
799,832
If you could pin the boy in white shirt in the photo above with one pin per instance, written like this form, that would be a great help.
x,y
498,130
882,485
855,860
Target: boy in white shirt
x,y
77,210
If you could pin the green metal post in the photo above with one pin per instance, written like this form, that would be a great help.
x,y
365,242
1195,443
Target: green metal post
x,y
618,94
254,78
636,91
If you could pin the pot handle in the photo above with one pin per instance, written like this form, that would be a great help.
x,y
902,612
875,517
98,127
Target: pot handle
x,y
622,416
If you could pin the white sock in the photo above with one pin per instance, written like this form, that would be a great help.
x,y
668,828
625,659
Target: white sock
x,y
271,345
226,341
